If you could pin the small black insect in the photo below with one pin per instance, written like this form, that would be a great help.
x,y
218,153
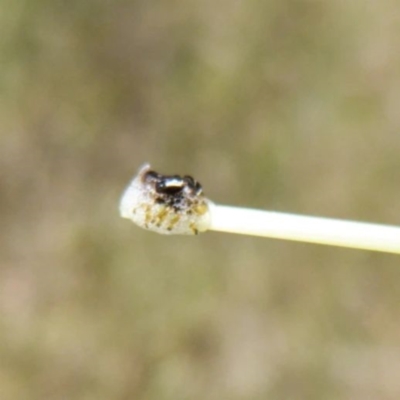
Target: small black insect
x,y
171,185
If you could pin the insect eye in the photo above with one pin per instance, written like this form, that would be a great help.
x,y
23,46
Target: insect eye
x,y
151,176
189,180
192,184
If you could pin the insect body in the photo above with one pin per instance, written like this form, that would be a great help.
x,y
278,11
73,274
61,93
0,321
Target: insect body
x,y
170,185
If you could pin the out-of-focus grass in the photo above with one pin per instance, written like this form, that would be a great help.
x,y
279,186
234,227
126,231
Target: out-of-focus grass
x,y
284,105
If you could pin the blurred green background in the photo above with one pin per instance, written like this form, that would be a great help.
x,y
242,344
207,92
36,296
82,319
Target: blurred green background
x,y
289,105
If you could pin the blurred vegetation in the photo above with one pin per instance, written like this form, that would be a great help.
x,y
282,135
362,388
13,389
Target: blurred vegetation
x,y
289,105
